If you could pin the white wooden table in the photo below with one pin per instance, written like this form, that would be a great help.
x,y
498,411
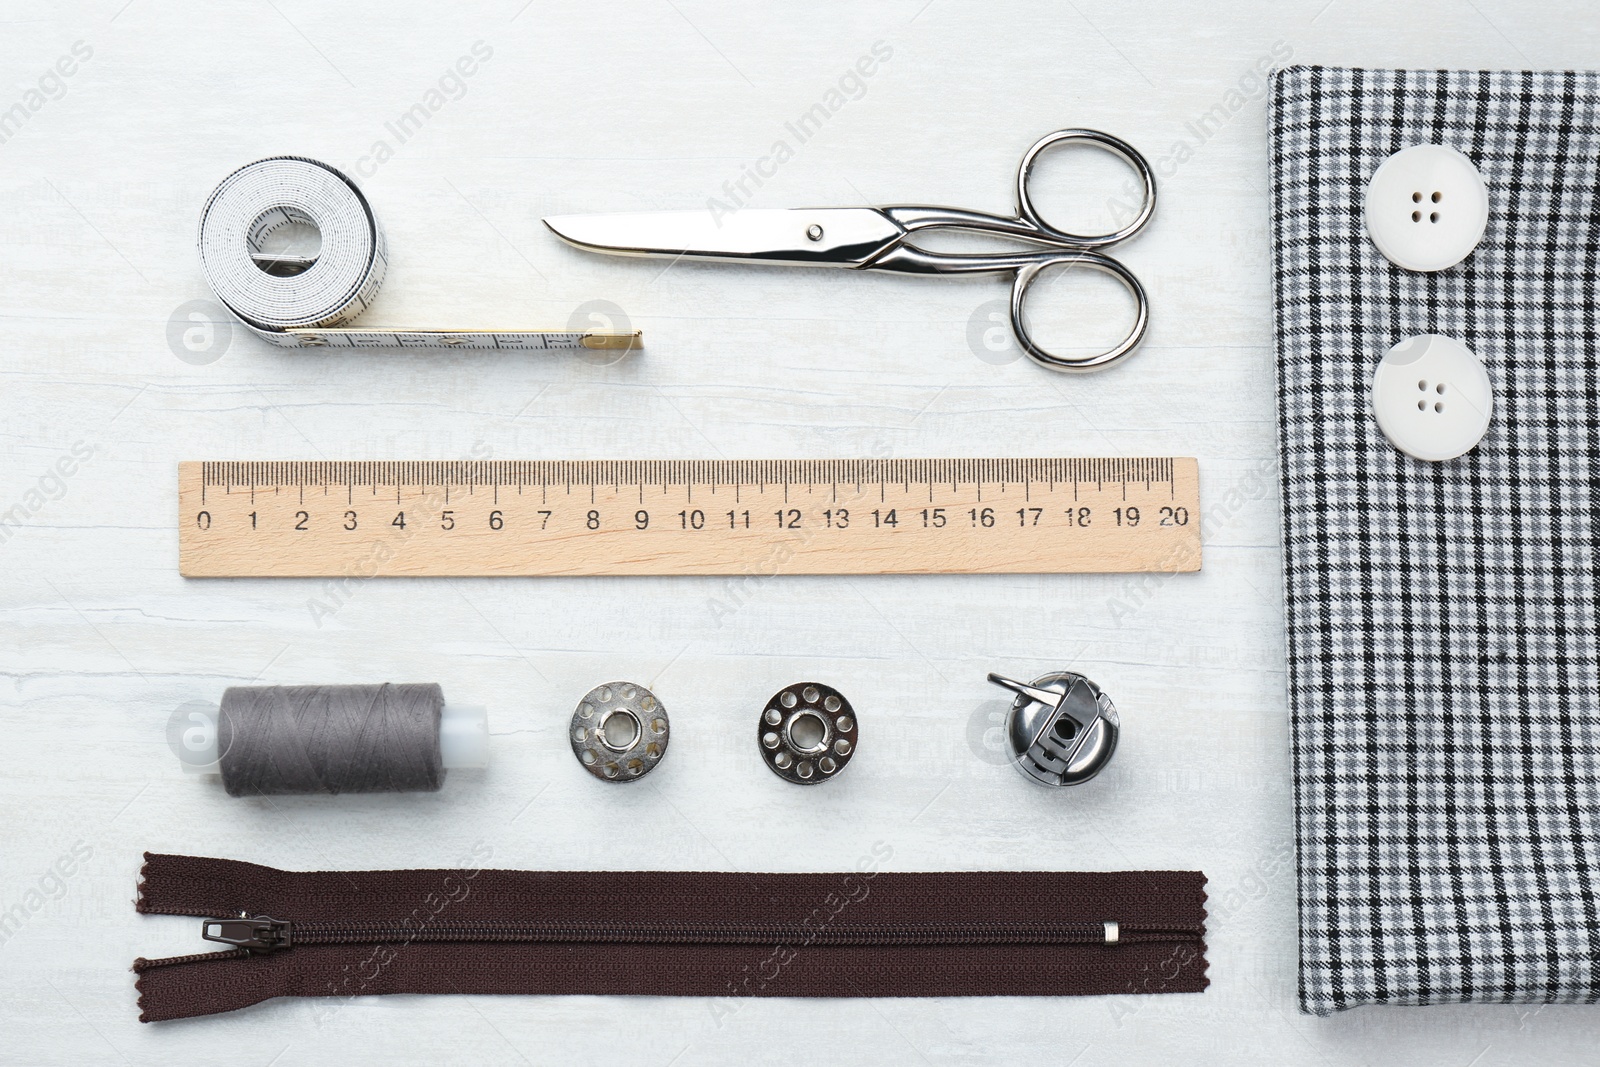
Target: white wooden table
x,y
661,104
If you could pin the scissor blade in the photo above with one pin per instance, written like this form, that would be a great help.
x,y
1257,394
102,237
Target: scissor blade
x,y
831,237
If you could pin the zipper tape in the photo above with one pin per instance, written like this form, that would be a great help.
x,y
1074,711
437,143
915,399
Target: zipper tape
x,y
667,933
308,300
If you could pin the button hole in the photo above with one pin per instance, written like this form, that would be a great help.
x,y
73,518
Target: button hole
x,y
1434,217
1437,196
1441,387
1438,407
1416,198
1416,216
1422,384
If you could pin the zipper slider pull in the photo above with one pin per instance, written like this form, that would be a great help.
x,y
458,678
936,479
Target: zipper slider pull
x,y
260,935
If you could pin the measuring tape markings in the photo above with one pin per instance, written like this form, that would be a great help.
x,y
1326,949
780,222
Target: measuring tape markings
x,y
504,517
306,301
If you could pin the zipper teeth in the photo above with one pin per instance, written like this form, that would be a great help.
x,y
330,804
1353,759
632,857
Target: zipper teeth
x,y
329,932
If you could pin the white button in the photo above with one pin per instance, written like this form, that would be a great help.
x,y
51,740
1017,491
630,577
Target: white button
x,y
1427,207
1432,397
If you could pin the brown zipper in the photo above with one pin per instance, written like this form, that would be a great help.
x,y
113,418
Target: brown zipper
x,y
712,934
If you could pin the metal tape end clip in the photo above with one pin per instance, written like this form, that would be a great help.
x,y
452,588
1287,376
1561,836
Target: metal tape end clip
x,y
625,342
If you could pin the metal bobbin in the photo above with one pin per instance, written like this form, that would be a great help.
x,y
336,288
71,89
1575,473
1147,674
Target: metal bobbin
x,y
807,733
619,731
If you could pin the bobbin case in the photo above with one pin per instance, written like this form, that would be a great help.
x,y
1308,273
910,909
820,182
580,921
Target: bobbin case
x,y
1062,730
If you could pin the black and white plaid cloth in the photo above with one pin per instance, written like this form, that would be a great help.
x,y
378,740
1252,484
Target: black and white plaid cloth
x,y
1443,671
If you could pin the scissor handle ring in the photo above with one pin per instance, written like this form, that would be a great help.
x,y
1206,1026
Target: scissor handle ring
x,y
1094,261
1117,147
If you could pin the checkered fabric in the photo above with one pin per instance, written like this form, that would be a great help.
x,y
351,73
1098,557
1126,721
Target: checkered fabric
x,y
1441,616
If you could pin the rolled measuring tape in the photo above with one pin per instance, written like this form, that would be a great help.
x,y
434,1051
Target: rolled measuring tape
x,y
307,299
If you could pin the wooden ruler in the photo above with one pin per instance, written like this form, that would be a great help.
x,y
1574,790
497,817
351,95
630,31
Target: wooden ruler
x,y
870,516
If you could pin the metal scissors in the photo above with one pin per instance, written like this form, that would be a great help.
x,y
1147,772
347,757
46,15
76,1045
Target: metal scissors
x,y
878,238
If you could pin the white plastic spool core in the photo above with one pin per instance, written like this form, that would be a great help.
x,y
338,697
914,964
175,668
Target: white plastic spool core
x,y
464,736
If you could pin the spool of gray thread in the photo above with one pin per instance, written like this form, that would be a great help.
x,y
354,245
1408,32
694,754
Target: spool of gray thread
x,y
292,739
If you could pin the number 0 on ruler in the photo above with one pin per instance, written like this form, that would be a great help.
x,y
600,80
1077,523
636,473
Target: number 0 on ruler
x,y
493,517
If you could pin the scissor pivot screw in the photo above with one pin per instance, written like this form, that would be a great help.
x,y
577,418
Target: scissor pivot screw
x,y
814,232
